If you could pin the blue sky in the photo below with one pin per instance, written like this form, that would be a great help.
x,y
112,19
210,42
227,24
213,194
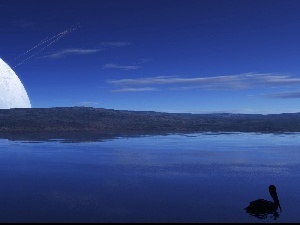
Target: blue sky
x,y
196,56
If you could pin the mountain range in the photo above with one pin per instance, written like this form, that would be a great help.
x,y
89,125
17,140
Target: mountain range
x,y
61,121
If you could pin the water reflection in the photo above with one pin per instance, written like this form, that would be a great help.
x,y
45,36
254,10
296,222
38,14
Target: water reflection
x,y
61,136
261,208
273,215
149,179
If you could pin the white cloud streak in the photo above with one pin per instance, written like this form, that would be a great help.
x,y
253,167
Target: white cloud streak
x,y
135,89
89,103
113,44
74,51
240,81
79,51
116,66
287,94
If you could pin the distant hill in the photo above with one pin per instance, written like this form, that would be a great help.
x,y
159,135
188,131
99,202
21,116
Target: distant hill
x,y
67,119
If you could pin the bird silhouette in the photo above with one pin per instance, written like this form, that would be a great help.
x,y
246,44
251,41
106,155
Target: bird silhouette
x,y
260,208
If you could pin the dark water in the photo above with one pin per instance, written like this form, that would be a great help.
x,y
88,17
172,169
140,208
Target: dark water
x,y
176,178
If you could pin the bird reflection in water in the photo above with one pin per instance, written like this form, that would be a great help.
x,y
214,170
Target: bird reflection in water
x,y
261,208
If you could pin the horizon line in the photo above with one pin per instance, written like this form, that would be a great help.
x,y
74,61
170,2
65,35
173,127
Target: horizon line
x,y
168,112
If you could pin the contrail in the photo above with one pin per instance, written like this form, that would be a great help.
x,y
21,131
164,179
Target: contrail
x,y
42,49
40,43
46,41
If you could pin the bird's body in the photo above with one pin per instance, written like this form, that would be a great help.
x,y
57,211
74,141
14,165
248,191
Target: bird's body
x,y
260,205
263,207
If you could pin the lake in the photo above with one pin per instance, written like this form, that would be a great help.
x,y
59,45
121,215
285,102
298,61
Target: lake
x,y
205,177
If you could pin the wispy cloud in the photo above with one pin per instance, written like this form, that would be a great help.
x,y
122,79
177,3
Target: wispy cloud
x,y
89,103
126,67
83,51
287,94
73,51
142,61
135,89
25,24
111,44
116,66
239,81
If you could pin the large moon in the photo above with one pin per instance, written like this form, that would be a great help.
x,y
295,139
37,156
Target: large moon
x,y
12,91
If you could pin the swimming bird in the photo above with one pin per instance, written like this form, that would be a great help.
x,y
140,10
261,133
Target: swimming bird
x,y
262,207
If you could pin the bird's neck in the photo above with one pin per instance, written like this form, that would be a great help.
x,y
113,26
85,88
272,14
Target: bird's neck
x,y
276,201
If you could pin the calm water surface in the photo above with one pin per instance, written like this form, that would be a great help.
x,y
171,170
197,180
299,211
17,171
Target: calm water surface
x,y
175,178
